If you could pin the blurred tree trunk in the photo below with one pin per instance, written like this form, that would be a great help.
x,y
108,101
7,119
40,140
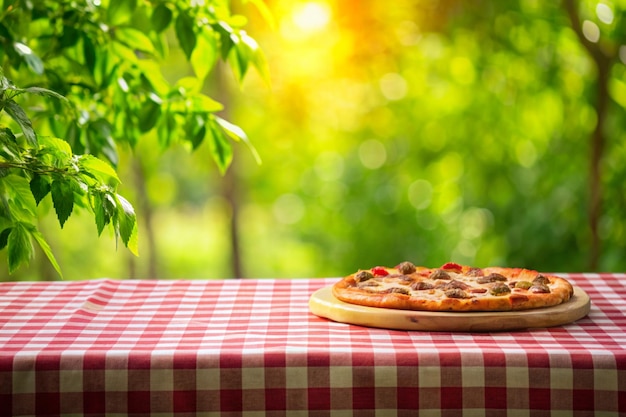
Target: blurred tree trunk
x,y
231,192
602,60
230,187
143,202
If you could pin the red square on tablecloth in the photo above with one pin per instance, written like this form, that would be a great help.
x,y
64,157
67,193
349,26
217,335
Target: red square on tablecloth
x,y
451,398
138,402
319,399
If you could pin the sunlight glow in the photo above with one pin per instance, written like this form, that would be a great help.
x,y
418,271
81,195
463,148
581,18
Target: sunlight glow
x,y
311,16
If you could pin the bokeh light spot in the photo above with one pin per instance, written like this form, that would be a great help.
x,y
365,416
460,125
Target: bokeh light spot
x,y
288,208
420,194
329,166
372,154
604,13
526,153
393,86
591,31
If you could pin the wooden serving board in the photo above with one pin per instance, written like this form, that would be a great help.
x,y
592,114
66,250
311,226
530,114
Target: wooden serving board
x,y
323,303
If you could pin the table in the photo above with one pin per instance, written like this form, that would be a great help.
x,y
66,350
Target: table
x,y
252,348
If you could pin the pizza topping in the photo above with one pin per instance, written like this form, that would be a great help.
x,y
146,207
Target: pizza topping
x,y
451,266
475,272
379,271
456,293
406,268
539,289
396,290
500,289
368,283
541,280
421,285
402,279
453,284
439,274
523,285
363,276
493,277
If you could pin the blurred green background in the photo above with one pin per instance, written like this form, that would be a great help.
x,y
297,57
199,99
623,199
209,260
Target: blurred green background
x,y
421,130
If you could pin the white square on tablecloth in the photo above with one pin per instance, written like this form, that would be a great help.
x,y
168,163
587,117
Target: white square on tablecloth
x,y
208,379
561,378
429,376
605,380
341,377
252,378
386,376
517,377
161,379
71,380
23,382
116,380
296,377
473,376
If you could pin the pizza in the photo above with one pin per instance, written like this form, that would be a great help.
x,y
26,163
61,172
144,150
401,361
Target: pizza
x,y
452,287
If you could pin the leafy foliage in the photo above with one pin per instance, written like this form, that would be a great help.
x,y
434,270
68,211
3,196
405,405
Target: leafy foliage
x,y
437,131
90,82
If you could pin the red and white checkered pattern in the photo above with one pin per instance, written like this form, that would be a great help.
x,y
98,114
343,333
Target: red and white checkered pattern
x,y
252,348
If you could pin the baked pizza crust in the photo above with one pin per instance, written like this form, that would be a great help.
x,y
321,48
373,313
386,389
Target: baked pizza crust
x,y
393,289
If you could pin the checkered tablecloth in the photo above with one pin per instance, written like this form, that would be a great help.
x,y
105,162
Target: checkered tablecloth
x,y
252,348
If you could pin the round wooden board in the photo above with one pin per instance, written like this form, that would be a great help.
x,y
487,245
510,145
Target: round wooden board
x,y
323,303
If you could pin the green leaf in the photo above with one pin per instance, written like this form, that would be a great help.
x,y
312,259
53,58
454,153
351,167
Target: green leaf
x,y
201,103
69,37
99,212
72,137
9,148
104,208
61,150
24,206
32,60
260,63
43,92
39,187
204,55
166,130
45,248
97,168
134,39
19,115
149,115
237,133
4,237
196,130
226,41
184,32
127,221
120,11
89,53
151,71
19,247
239,58
220,147
62,199
161,18
100,140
